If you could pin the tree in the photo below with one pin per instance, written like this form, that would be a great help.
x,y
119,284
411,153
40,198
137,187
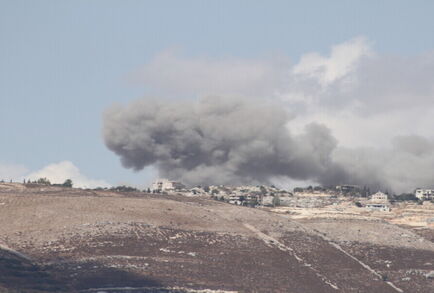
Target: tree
x,y
124,188
276,201
67,183
298,189
44,181
252,202
206,189
405,197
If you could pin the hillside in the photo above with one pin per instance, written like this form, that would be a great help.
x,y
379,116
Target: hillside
x,y
90,241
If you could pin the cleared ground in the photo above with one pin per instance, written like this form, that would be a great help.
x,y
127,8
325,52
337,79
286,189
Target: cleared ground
x,y
79,240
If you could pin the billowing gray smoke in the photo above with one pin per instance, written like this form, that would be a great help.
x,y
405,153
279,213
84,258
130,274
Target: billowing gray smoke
x,y
406,165
233,141
216,141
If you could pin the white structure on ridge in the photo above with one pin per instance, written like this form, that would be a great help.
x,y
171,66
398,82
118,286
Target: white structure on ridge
x,y
162,185
379,202
379,196
424,194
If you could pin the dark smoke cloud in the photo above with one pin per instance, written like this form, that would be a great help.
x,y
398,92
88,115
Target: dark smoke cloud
x,y
217,141
235,141
406,165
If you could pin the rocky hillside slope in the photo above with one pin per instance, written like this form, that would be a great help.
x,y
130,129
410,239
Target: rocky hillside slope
x,y
72,240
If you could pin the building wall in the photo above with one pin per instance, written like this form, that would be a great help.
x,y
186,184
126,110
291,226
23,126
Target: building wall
x,y
378,207
423,194
379,196
166,185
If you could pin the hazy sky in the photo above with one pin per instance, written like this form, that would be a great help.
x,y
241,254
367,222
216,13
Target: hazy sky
x,y
363,68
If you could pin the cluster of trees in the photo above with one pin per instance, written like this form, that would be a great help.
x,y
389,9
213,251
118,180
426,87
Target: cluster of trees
x,y
124,188
67,183
354,192
310,188
219,198
213,191
248,202
404,197
45,181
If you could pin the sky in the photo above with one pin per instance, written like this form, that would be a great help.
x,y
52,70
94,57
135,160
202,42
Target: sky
x,y
362,68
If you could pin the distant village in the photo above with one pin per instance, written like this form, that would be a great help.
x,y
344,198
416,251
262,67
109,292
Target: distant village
x,y
302,197
271,196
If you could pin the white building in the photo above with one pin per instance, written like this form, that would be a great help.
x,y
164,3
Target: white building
x,y
379,197
379,202
378,207
236,199
424,194
162,185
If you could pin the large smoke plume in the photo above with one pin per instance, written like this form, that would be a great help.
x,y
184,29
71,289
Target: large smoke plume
x,y
219,140
216,141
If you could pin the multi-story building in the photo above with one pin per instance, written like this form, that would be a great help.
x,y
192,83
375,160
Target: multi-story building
x,y
424,194
379,197
162,185
379,202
